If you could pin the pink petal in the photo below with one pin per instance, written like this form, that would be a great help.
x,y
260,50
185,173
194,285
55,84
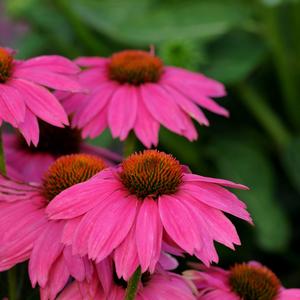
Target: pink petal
x,y
188,106
122,111
289,294
179,223
190,80
94,103
113,224
80,198
51,63
162,107
49,79
46,250
96,126
12,106
58,278
217,197
146,127
148,234
30,128
198,178
91,61
126,257
105,274
41,102
74,264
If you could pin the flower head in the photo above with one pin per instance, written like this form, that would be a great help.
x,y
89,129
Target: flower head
x,y
23,96
244,281
29,163
148,203
27,233
134,90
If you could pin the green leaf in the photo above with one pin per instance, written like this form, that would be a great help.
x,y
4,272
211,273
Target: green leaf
x,y
244,162
291,161
146,22
234,56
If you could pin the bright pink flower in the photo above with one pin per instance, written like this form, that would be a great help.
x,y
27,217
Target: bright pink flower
x,y
23,97
243,281
29,163
149,199
161,285
27,233
133,90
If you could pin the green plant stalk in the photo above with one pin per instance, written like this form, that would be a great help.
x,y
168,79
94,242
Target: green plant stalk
x,y
130,144
11,274
133,284
265,116
286,72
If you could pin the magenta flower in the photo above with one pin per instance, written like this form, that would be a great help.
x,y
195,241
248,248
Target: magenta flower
x,y
149,199
23,97
29,164
251,281
133,90
27,233
162,284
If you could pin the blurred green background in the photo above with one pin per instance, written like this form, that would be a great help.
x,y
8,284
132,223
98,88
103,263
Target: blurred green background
x,y
253,47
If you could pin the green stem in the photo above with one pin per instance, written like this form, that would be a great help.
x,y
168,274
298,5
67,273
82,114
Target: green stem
x,y
12,285
281,58
133,284
130,145
11,274
264,115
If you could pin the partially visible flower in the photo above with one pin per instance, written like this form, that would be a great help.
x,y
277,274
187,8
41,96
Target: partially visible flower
x,y
245,281
133,90
149,199
29,163
27,233
105,284
23,96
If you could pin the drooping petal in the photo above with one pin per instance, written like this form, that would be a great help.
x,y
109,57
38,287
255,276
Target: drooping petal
x,y
148,234
12,106
91,61
41,102
122,111
46,250
113,224
30,128
162,107
146,127
51,63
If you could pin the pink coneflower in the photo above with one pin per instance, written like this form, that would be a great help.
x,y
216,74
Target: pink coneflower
x,y
245,281
161,285
27,233
133,90
29,163
148,199
23,97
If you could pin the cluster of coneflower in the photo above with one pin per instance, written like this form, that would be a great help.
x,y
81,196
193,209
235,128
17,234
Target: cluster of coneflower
x,y
93,224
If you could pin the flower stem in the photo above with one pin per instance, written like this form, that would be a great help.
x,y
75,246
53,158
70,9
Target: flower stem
x,y
130,145
264,114
285,69
11,274
133,284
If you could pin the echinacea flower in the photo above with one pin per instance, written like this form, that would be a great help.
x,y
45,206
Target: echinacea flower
x,y
23,96
161,285
133,90
244,281
29,163
148,199
27,233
